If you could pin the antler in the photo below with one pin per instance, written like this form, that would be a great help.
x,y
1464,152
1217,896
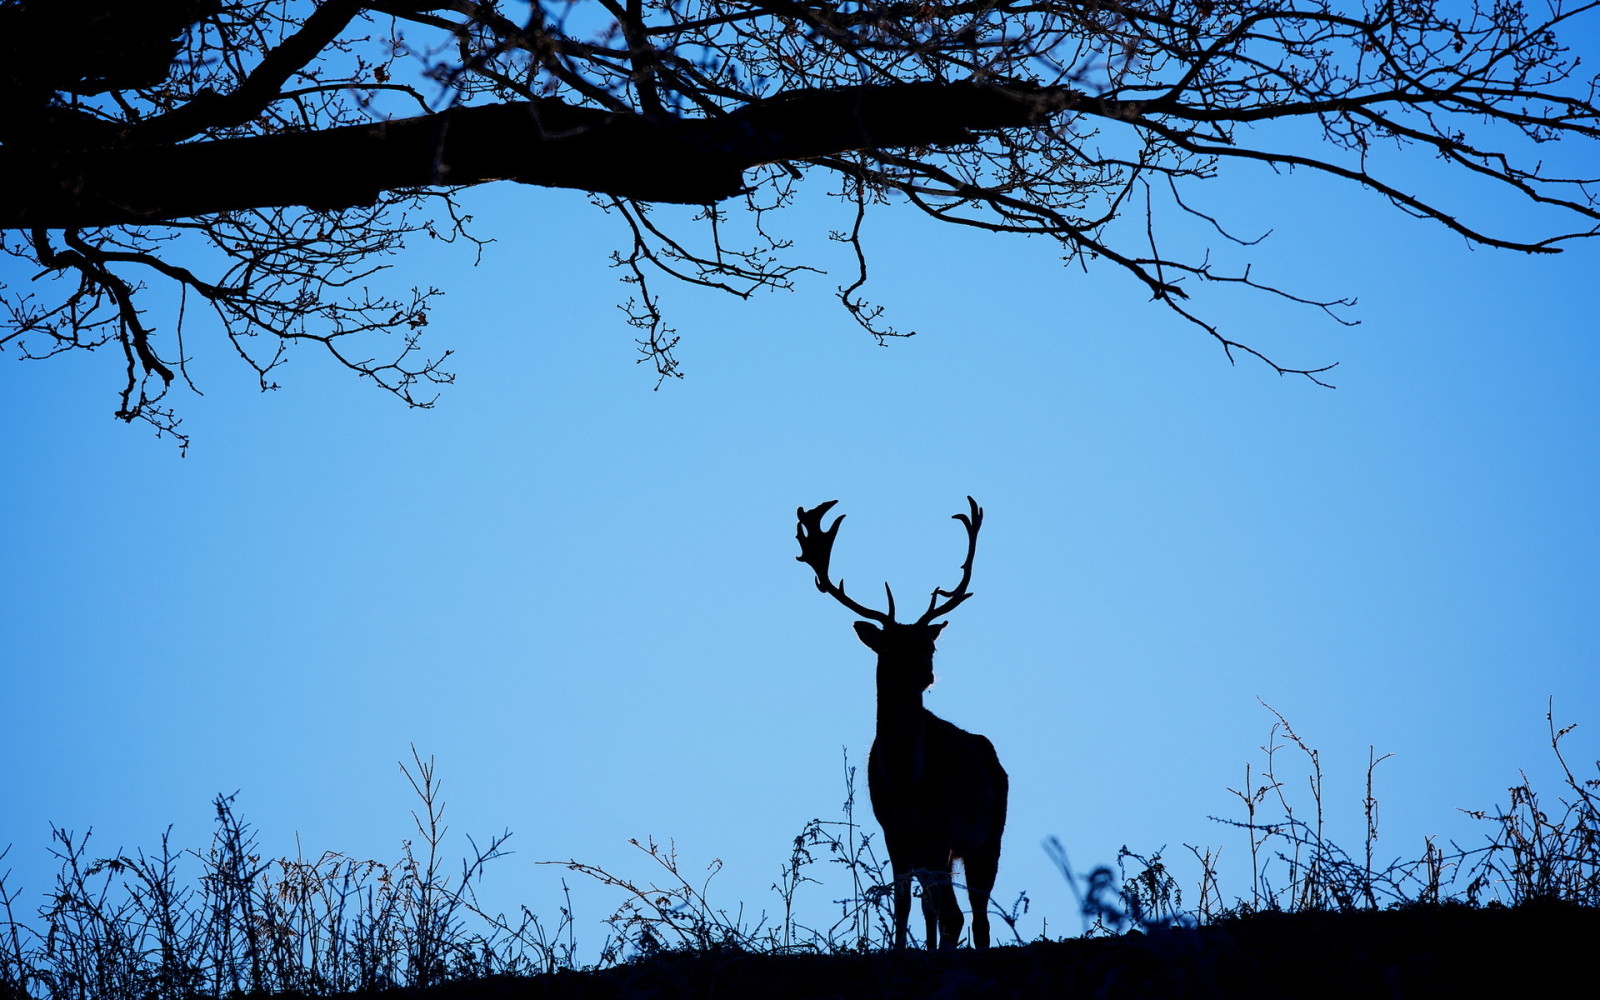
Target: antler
x,y
973,522
816,548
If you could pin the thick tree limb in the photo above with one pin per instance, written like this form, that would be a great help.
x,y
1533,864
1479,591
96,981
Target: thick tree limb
x,y
549,143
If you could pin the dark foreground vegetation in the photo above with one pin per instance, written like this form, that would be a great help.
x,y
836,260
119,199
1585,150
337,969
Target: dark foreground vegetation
x,y
1448,950
1518,913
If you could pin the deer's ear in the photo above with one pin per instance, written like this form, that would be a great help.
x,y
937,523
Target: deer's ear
x,y
869,634
934,630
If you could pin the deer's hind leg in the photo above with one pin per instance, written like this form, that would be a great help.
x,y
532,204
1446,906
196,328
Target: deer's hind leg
x,y
941,912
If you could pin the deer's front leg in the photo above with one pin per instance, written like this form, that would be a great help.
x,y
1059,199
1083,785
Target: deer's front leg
x,y
902,907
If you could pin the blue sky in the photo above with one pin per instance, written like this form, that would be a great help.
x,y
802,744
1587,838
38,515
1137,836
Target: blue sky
x,y
580,594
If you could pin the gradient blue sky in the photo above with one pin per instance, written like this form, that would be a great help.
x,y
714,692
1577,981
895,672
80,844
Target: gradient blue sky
x,y
580,594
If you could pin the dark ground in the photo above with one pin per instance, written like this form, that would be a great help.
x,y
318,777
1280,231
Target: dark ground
x,y
1445,951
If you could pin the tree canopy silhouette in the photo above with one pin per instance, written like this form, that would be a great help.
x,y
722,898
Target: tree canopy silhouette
x,y
291,146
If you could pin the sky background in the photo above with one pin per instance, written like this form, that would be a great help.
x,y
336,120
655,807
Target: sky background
x,y
580,595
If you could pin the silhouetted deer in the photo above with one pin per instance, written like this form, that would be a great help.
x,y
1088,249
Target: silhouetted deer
x,y
938,791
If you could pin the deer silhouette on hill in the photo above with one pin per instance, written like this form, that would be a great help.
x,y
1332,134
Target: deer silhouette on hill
x,y
938,791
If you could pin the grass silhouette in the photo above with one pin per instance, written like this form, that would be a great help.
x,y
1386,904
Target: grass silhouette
x,y
136,928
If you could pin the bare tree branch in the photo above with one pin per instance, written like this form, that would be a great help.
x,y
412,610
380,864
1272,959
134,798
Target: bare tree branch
x,y
303,143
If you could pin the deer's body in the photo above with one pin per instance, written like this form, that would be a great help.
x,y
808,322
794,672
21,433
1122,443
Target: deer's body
x,y
938,791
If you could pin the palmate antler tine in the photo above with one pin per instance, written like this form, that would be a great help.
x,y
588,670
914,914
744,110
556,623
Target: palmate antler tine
x,y
816,550
973,521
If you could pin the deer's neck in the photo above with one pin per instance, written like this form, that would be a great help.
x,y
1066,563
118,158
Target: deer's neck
x,y
900,724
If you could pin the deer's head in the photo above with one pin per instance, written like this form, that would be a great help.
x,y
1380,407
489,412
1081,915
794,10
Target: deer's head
x,y
905,649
